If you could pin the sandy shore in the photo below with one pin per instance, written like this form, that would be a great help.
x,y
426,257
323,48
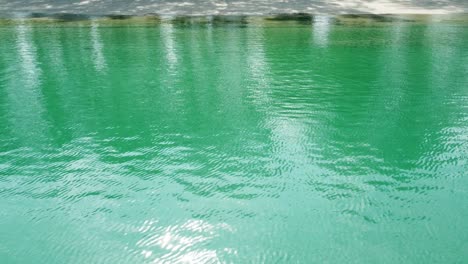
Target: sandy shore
x,y
234,7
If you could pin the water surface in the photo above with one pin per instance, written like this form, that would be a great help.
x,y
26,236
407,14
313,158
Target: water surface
x,y
234,140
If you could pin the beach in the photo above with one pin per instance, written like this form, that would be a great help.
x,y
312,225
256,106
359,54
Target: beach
x,y
216,7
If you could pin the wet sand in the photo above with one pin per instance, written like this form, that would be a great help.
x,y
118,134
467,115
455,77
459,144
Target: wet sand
x,y
234,7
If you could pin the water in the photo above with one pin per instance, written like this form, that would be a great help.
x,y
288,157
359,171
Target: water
x,y
234,140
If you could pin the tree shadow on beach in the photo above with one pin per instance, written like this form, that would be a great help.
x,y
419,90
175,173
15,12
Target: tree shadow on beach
x,y
222,7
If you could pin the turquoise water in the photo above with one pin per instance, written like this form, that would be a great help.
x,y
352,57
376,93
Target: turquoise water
x,y
305,140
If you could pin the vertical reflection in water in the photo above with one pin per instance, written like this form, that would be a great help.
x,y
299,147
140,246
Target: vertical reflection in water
x,y
23,91
231,66
395,71
27,52
55,52
167,34
55,82
209,29
141,52
196,59
257,64
392,81
287,134
99,60
443,87
321,27
7,68
172,63
78,53
437,55
444,41
195,56
391,84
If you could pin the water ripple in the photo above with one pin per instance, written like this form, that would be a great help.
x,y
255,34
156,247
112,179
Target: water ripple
x,y
233,139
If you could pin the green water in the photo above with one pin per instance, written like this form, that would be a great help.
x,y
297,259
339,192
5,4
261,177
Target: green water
x,y
237,142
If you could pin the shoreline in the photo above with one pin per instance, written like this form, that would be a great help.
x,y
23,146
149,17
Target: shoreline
x,y
67,19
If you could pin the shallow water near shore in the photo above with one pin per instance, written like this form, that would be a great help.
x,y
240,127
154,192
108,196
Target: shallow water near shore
x,y
286,139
